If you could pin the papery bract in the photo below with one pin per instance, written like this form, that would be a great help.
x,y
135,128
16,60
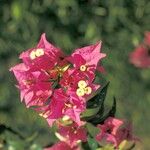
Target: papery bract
x,y
43,56
78,82
113,132
140,57
125,133
108,130
62,105
33,85
147,38
61,146
72,134
87,58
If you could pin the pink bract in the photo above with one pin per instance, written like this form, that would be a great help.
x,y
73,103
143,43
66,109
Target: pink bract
x,y
108,130
61,146
71,78
48,80
72,134
89,56
140,57
125,133
114,132
47,60
62,105
147,38
33,85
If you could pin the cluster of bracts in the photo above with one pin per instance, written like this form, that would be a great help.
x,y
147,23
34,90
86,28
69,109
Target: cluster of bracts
x,y
59,87
140,57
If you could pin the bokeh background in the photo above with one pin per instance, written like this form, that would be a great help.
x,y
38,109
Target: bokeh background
x,y
69,24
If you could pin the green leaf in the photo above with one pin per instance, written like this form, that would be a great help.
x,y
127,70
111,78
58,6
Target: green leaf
x,y
100,119
32,137
15,145
96,104
113,109
4,128
92,143
35,147
90,112
98,100
92,130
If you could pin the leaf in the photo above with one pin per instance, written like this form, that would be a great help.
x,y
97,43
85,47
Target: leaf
x,y
15,145
35,147
92,143
113,109
98,100
90,112
4,128
100,119
32,137
92,130
96,104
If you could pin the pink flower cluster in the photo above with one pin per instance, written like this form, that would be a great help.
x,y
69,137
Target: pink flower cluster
x,y
140,57
57,85
58,88
115,131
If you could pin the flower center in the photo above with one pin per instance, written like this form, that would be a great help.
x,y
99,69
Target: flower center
x,y
39,52
80,92
62,69
28,82
88,90
83,88
82,84
83,68
36,53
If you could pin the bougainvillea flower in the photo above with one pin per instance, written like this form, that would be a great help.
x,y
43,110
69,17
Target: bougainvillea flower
x,y
72,134
87,58
54,110
80,83
125,133
48,80
140,57
62,146
62,105
115,131
109,130
147,38
43,56
33,85
74,107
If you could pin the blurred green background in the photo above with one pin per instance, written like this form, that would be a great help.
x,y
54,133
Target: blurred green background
x,y
69,24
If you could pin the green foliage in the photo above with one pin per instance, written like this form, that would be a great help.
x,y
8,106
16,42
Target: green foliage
x,y
69,24
13,140
96,104
92,143
95,108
